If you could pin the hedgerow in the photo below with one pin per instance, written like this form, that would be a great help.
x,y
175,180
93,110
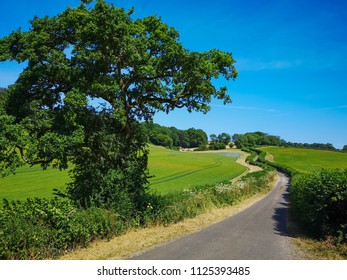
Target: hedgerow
x,y
319,202
46,228
194,201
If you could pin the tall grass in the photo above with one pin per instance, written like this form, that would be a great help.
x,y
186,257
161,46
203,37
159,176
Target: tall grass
x,y
194,201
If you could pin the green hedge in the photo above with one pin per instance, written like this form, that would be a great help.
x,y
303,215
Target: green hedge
x,y
46,228
262,162
319,202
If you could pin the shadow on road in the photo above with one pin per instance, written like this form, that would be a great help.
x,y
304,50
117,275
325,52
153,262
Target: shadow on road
x,y
280,214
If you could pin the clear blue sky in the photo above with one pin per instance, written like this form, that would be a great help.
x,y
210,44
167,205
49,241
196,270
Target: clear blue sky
x,y
291,57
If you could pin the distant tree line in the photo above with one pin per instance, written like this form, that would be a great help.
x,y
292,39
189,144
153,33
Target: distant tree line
x,y
315,146
258,138
172,137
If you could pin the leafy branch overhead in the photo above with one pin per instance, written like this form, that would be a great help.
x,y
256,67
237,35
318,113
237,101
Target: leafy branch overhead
x,y
137,67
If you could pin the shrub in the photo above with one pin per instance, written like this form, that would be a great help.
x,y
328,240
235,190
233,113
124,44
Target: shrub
x,y
319,201
46,228
217,146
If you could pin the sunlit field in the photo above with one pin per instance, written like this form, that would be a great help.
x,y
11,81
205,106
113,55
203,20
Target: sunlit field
x,y
307,160
172,171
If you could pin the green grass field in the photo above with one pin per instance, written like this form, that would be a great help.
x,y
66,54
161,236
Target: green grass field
x,y
32,182
306,160
173,171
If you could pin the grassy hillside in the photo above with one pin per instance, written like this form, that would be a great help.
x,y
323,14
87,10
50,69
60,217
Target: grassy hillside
x,y
173,171
306,160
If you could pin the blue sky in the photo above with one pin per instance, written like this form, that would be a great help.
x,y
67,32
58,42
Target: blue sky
x,y
291,57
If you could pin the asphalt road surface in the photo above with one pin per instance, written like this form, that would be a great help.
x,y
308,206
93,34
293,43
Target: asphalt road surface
x,y
257,233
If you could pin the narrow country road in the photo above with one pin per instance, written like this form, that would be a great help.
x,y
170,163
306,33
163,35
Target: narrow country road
x,y
257,233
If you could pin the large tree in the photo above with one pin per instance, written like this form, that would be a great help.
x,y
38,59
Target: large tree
x,y
93,73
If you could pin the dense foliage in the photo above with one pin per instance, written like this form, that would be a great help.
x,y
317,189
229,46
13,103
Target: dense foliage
x,y
93,73
172,137
319,201
217,146
252,139
315,146
47,228
3,97
221,138
219,142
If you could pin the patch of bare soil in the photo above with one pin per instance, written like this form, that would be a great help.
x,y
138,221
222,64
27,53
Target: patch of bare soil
x,y
269,157
250,168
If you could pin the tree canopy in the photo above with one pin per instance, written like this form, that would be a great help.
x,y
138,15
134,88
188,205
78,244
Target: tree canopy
x,y
92,74
256,138
172,137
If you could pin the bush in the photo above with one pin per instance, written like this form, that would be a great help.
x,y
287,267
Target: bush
x,y
217,146
161,140
319,201
201,148
46,228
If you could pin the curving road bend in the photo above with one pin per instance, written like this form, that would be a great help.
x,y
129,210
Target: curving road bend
x,y
257,233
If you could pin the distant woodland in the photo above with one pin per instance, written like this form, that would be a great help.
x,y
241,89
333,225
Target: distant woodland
x,y
173,137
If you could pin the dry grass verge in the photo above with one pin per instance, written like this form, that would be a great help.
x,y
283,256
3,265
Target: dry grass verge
x,y
321,250
312,249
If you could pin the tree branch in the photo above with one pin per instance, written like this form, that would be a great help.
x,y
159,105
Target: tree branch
x,y
31,163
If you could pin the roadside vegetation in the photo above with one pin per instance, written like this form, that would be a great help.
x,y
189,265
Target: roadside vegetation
x,y
47,228
35,224
318,197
